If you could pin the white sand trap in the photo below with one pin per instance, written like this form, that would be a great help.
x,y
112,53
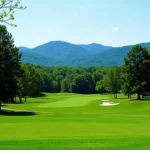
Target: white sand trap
x,y
108,103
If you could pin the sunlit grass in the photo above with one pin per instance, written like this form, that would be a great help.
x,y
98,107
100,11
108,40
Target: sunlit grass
x,y
60,123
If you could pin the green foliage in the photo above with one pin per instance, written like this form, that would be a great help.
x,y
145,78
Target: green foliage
x,y
65,84
112,81
65,79
7,10
47,82
126,86
30,84
100,87
10,66
55,87
82,84
137,70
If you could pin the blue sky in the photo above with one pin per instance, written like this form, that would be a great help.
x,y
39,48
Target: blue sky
x,y
108,22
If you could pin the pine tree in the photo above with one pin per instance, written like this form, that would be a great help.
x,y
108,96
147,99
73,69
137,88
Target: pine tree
x,y
10,66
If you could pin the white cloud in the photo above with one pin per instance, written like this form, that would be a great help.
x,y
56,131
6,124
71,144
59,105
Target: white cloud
x,y
115,29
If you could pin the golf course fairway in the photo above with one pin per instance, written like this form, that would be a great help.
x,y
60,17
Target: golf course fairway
x,y
75,121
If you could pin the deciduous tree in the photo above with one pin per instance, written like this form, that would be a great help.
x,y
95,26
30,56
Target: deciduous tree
x,y
136,66
7,10
112,81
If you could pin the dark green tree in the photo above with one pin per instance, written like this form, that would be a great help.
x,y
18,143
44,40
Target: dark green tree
x,y
23,84
136,69
10,66
100,87
55,86
126,84
112,81
65,84
47,82
83,84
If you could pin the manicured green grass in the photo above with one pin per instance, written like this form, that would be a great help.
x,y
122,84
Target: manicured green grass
x,y
71,102
75,121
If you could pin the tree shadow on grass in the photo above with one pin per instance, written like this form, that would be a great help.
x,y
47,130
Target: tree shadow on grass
x,y
142,99
134,99
38,102
44,98
146,99
42,95
16,113
123,98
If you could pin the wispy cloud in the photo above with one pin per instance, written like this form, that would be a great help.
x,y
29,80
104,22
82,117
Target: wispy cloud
x,y
115,29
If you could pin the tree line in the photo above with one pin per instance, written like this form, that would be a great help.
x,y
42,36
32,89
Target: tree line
x,y
27,80
61,79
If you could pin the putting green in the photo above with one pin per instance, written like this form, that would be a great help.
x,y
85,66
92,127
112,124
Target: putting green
x,y
70,102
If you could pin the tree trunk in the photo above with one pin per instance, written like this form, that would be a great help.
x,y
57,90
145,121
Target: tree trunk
x,y
1,95
20,98
0,106
116,96
25,98
1,98
138,96
128,95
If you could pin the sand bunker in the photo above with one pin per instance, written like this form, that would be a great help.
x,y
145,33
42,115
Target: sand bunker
x,y
108,103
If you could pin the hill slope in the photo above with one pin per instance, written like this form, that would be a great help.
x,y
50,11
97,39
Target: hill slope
x,y
59,50
63,53
111,57
32,58
95,48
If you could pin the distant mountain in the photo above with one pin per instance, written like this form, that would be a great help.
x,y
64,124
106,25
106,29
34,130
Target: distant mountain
x,y
147,45
32,58
111,57
24,49
59,50
95,48
62,53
